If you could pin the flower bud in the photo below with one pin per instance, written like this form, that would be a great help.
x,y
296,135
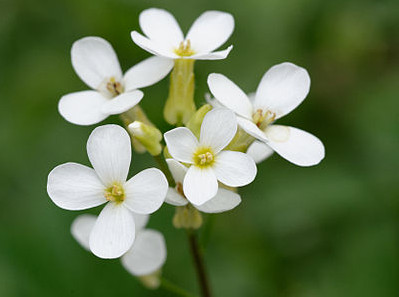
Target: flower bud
x,y
148,136
187,217
136,114
180,104
194,124
151,281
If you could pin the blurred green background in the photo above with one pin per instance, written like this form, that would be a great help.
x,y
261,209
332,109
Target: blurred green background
x,y
325,231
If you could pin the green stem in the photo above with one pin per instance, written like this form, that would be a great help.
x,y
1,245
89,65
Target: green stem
x,y
163,166
199,263
171,287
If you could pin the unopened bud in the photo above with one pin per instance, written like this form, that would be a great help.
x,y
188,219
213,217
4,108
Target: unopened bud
x,y
148,136
136,114
194,124
187,217
151,281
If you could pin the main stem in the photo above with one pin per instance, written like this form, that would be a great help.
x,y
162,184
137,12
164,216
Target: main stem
x,y
199,263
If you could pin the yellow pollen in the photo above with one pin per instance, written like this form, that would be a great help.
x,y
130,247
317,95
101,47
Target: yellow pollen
x,y
114,87
115,193
204,157
184,49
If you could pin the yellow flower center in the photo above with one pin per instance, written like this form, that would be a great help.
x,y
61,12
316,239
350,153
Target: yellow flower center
x,y
204,157
114,87
115,193
263,119
184,49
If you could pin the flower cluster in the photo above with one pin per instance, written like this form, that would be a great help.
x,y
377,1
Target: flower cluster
x,y
212,151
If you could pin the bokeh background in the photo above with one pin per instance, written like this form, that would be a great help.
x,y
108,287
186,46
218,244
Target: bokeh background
x,y
325,231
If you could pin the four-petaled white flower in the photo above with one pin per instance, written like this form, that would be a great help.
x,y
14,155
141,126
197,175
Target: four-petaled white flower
x,y
164,37
223,201
96,63
147,254
282,89
208,163
73,186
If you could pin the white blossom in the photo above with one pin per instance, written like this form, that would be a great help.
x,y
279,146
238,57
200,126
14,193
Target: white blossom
x,y
96,63
73,186
147,254
282,89
207,161
164,37
223,201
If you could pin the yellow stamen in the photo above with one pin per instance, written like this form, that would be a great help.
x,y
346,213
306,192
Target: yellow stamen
x,y
115,193
184,49
204,157
114,87
261,119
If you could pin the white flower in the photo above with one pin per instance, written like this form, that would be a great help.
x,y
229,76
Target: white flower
x,y
208,163
258,150
147,254
73,186
164,37
223,201
282,89
96,63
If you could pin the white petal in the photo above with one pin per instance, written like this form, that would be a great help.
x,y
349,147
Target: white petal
x,y
251,97
140,221
212,101
210,30
75,187
219,55
200,185
81,228
94,60
160,26
230,95
259,151
113,233
82,108
235,169
218,129
174,198
152,47
147,72
253,130
177,169
295,145
223,201
146,191
122,102
147,255
282,89
110,153
181,144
